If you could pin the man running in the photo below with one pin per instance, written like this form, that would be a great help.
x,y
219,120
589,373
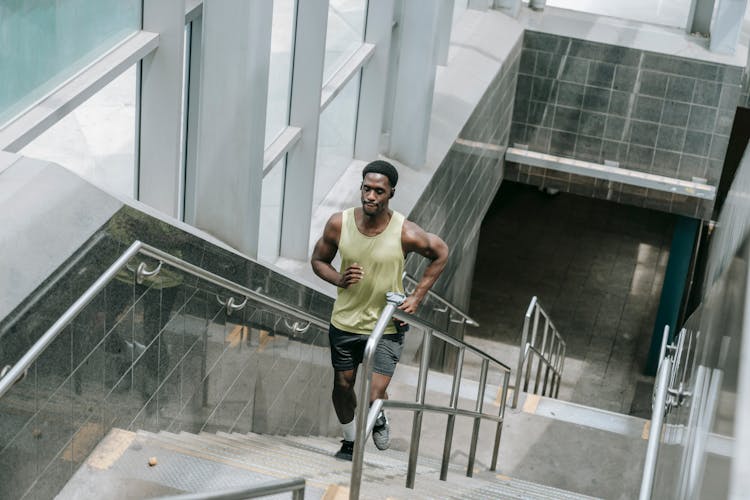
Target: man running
x,y
373,241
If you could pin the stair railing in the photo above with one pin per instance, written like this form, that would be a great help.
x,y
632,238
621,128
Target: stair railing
x,y
365,420
17,371
548,348
411,283
294,486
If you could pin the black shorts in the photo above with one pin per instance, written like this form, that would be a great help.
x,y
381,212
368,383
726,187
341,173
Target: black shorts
x,y
347,350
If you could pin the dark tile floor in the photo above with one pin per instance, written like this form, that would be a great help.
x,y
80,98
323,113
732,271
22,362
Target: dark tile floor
x,y
597,268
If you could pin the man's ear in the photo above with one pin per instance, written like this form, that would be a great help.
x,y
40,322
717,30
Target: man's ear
x,y
393,191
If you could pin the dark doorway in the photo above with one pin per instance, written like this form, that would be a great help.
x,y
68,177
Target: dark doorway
x,y
597,268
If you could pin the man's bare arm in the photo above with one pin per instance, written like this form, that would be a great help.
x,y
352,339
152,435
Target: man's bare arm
x,y
324,252
416,239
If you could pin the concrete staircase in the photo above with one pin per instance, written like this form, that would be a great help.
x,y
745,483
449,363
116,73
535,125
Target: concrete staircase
x,y
119,469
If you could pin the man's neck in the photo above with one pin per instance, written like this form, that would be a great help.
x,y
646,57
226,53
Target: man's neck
x,y
372,224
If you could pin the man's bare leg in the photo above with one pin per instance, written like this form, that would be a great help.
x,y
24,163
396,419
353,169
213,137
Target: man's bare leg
x,y
380,432
343,396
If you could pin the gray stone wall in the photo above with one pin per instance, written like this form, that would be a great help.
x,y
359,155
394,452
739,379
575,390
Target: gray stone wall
x,y
650,112
455,201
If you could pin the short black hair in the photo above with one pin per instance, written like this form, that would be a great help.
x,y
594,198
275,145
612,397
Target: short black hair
x,y
384,168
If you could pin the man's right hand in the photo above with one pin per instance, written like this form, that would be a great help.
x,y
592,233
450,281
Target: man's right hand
x,y
353,274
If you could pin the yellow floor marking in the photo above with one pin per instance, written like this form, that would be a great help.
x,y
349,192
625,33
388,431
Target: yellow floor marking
x,y
646,429
110,449
83,442
531,403
499,396
235,337
263,340
336,492
503,478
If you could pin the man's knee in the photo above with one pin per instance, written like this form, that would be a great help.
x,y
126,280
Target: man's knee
x,y
344,381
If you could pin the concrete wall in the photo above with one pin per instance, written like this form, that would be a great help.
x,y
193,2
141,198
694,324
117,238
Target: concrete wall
x,y
650,112
458,195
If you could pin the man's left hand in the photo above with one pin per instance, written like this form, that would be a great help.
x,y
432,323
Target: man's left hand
x,y
410,304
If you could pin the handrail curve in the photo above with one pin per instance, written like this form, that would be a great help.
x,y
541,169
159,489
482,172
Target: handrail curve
x,y
550,352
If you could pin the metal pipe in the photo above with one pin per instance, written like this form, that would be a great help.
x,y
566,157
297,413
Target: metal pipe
x,y
477,420
296,486
542,354
393,300
521,351
654,435
562,366
416,428
499,430
51,334
455,390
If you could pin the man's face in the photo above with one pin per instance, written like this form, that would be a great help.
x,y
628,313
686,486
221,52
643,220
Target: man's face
x,y
376,191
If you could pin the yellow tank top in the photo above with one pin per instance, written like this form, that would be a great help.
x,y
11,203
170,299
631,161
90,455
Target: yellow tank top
x,y
358,307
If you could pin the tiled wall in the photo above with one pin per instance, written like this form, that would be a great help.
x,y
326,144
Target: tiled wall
x,y
455,201
650,112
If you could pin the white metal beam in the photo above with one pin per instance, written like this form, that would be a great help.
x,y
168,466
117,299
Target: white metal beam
x,y
53,107
160,108
307,82
232,120
729,15
415,83
370,112
346,72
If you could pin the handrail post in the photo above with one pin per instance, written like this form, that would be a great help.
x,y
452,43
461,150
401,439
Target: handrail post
x,y
416,428
477,420
654,435
455,390
499,431
530,359
393,300
522,351
542,351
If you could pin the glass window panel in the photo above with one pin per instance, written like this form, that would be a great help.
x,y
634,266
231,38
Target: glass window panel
x,y
346,28
44,42
279,71
97,139
271,203
336,139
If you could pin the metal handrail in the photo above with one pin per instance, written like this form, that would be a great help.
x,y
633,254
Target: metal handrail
x,y
365,418
138,247
654,434
551,354
466,318
296,486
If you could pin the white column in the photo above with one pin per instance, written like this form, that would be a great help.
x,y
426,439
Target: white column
x,y
699,16
160,107
510,7
307,81
415,83
232,119
727,23
479,4
374,80
444,27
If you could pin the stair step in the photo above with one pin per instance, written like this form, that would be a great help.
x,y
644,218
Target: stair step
x,y
204,462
